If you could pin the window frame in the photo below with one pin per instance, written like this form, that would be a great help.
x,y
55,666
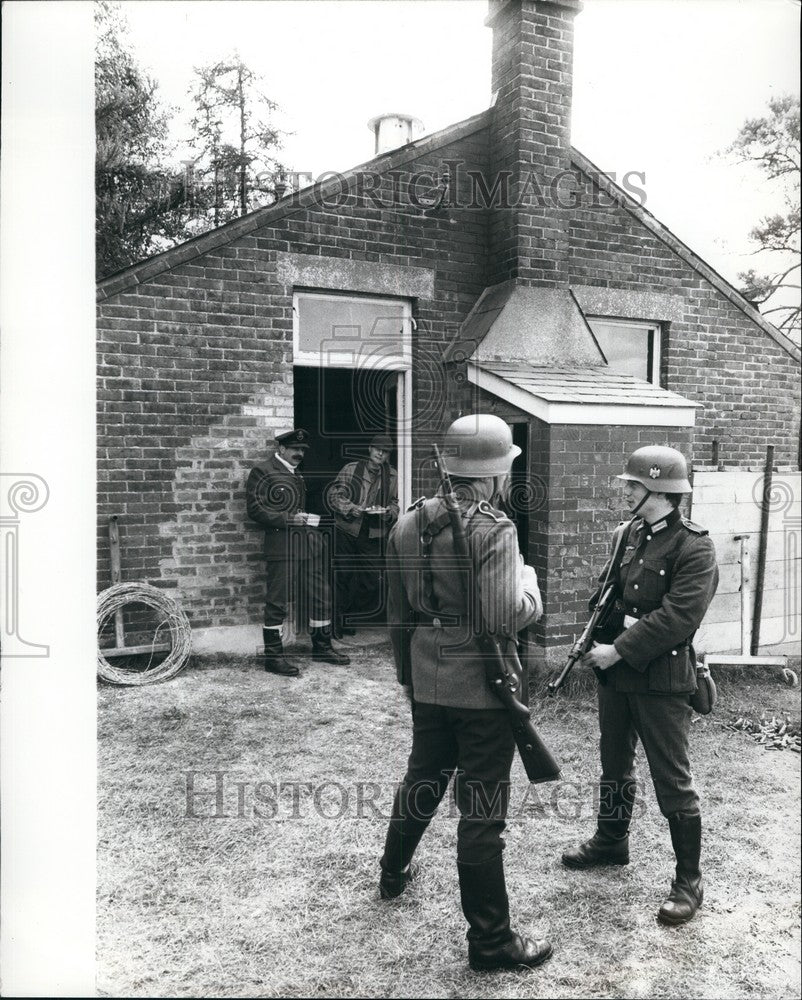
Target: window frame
x,y
401,362
654,344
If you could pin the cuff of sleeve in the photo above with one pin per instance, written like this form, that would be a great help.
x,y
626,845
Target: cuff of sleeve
x,y
625,648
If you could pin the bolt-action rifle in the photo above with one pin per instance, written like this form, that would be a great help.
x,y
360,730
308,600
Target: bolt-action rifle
x,y
602,622
503,669
586,640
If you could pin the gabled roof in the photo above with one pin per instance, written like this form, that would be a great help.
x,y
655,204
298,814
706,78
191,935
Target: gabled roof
x,y
662,232
308,197
297,201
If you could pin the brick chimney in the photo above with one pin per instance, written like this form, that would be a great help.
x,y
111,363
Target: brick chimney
x,y
532,79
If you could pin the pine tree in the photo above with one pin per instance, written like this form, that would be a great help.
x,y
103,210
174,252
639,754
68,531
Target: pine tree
x,y
139,201
234,135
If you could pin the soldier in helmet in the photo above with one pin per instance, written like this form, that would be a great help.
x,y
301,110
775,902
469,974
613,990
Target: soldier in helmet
x,y
458,724
276,497
665,570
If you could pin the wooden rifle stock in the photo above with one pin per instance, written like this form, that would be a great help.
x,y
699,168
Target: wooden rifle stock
x,y
502,671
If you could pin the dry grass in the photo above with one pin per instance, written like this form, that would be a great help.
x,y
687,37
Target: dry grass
x,y
283,906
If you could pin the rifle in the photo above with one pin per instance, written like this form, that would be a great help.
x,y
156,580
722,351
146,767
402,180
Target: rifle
x,y
503,671
584,642
600,619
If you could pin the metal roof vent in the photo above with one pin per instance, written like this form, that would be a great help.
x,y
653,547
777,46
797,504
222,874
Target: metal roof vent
x,y
393,130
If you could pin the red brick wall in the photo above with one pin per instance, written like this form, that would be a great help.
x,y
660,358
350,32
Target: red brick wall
x,y
715,355
574,505
195,376
532,71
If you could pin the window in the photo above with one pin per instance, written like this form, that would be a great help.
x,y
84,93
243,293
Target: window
x,y
343,331
631,347
373,337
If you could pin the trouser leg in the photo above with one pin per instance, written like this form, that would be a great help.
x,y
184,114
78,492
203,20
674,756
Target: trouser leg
x,y
431,764
368,587
663,723
609,845
277,580
486,748
345,546
618,739
481,789
316,578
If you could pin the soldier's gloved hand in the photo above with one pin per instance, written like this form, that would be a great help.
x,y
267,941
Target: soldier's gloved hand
x,y
602,656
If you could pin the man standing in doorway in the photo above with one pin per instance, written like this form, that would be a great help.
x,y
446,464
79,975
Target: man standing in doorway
x,y
294,552
364,498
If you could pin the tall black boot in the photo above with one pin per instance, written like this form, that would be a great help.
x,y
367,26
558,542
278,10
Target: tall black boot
x,y
609,845
322,648
686,893
491,942
403,837
275,661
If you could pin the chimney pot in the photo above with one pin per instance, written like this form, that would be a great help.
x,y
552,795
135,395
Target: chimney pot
x,y
393,130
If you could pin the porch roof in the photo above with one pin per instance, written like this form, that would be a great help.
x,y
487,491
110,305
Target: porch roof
x,y
582,395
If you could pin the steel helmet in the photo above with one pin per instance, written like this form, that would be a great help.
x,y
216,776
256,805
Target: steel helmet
x,y
479,445
659,469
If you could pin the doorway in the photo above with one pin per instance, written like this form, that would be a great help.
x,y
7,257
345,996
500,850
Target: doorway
x,y
342,409
519,502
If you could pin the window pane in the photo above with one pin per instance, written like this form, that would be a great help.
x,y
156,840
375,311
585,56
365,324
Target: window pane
x,y
626,347
337,328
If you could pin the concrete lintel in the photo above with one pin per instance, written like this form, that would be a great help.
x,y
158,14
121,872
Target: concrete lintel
x,y
342,275
621,303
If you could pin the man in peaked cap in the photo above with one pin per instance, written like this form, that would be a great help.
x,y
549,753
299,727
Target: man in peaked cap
x,y
459,727
665,572
364,498
276,497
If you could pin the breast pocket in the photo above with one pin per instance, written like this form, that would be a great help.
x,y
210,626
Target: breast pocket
x,y
626,559
655,579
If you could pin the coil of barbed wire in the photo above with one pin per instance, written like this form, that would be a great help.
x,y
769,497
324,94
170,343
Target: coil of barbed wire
x,y
174,624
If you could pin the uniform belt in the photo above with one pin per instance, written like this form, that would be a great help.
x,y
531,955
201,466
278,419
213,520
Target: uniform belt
x,y
423,620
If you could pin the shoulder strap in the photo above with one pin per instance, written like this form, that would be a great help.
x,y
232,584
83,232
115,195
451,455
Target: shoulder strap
x,y
619,538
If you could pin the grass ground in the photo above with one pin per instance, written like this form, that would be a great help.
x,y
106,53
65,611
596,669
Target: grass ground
x,y
262,880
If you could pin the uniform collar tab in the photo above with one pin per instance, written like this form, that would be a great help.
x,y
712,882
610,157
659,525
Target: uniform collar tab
x,y
664,522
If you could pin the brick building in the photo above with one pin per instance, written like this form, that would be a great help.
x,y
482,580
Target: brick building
x,y
489,265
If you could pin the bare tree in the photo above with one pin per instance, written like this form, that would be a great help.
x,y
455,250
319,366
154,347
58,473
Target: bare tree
x,y
772,143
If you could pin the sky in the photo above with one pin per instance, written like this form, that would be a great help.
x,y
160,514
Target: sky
x,y
660,86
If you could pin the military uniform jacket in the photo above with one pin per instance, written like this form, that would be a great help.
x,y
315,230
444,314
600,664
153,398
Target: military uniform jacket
x,y
273,495
665,583
442,660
